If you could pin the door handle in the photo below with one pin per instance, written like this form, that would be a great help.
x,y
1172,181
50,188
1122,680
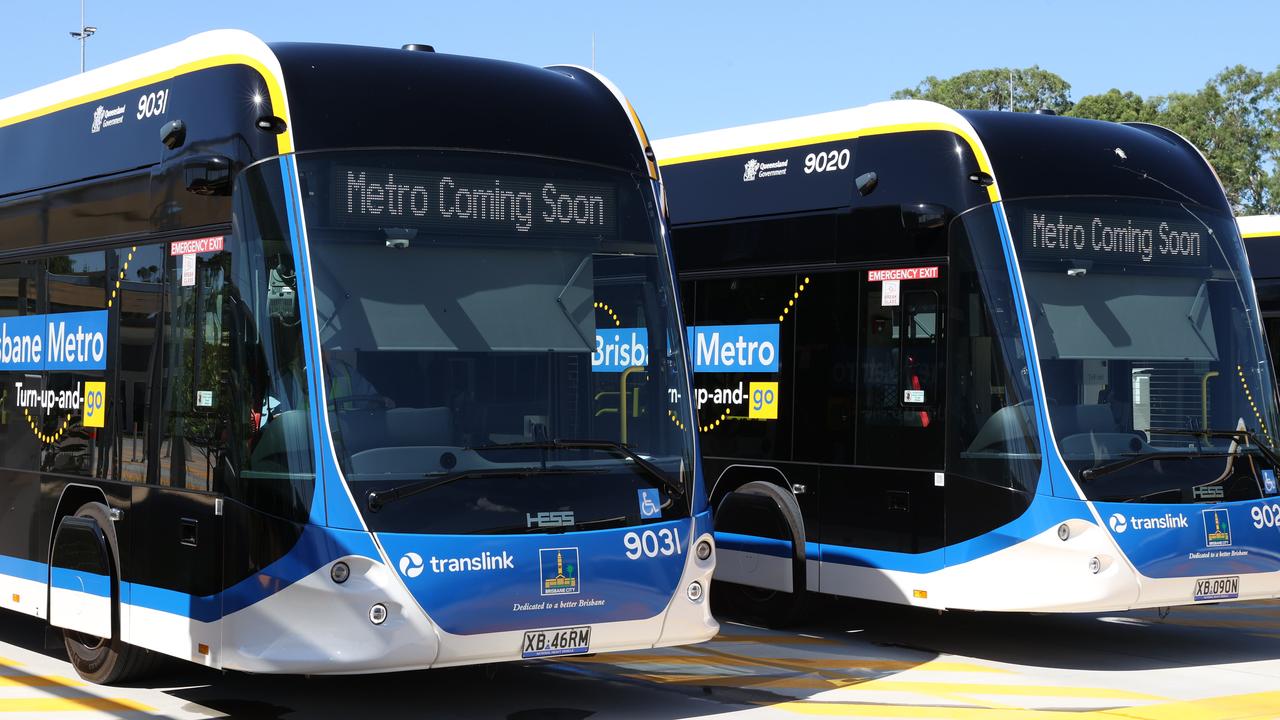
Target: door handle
x,y
189,533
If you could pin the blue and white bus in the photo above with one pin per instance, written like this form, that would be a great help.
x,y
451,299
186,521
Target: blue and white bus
x,y
992,361
312,362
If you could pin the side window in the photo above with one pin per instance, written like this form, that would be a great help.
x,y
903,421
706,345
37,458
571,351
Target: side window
x,y
899,424
197,358
740,330
20,446
268,412
992,423
137,294
72,407
826,368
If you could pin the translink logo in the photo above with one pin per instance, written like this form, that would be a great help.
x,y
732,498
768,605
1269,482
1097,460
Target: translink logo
x,y
483,561
1119,523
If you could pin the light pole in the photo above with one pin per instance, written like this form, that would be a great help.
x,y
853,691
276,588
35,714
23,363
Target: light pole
x,y
84,33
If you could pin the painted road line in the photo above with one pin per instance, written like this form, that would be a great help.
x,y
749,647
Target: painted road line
x,y
1004,689
76,704
7,680
1228,707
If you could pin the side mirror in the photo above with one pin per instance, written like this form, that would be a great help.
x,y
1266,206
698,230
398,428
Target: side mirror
x,y
207,175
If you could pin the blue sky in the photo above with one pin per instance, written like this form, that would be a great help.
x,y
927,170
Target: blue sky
x,y
691,65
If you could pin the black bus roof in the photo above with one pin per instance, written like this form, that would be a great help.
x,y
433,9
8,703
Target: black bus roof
x,y
1024,154
221,83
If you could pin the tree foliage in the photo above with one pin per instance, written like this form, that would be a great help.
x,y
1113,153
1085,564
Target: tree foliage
x,y
1031,88
1234,119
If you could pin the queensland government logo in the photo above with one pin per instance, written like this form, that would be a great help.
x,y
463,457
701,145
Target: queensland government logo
x,y
559,571
104,118
749,170
1217,528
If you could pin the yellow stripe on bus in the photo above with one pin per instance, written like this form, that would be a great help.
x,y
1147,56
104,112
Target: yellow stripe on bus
x,y
984,164
284,141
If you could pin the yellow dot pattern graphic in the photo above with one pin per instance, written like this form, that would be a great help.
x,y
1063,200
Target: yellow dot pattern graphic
x,y
715,423
671,414
1253,404
47,438
605,307
791,302
115,291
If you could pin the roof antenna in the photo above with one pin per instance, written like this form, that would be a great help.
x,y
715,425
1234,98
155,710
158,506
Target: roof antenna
x,y
593,50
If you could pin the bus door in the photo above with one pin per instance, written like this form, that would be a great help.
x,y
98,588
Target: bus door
x,y
178,512
891,498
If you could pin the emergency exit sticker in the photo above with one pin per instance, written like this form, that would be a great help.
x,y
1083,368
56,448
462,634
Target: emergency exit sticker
x,y
915,273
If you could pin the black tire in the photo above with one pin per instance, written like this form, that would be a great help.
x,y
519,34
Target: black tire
x,y
106,660
770,608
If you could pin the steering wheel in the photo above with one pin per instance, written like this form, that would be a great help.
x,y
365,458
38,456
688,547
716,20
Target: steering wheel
x,y
372,401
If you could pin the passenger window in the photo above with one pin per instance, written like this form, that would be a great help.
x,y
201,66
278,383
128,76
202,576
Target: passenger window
x,y
138,284
741,329
20,447
75,284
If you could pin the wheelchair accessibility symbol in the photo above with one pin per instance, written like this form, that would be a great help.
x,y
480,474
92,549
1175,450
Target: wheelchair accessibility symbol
x,y
650,505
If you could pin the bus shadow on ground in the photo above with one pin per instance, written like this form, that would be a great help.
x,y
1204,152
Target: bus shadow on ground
x,y
1151,639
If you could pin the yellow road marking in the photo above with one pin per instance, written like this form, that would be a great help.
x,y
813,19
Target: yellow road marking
x,y
37,681
57,704
1227,707
1004,689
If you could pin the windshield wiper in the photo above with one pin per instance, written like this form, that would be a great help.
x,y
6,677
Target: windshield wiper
x,y
1107,468
1237,435
673,488
378,499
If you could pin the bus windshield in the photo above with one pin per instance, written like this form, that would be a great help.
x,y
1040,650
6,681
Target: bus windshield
x,y
499,342
1156,378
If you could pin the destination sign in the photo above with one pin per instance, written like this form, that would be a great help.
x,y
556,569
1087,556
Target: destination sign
x,y
1112,238
458,203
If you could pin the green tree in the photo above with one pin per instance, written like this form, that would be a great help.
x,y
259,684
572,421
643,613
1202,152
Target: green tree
x,y
1233,120
1115,106
1032,88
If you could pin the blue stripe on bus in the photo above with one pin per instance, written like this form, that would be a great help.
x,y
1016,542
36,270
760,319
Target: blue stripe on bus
x,y
752,543
86,582
24,569
317,547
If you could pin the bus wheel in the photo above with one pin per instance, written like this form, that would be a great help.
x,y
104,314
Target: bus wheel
x,y
768,607
105,660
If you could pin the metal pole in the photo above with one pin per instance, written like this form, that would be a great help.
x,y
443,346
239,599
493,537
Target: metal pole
x,y
82,37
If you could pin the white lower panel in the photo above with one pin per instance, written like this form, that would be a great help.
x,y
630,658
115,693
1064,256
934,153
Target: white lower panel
x,y
25,596
317,626
1042,573
171,634
755,569
80,611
